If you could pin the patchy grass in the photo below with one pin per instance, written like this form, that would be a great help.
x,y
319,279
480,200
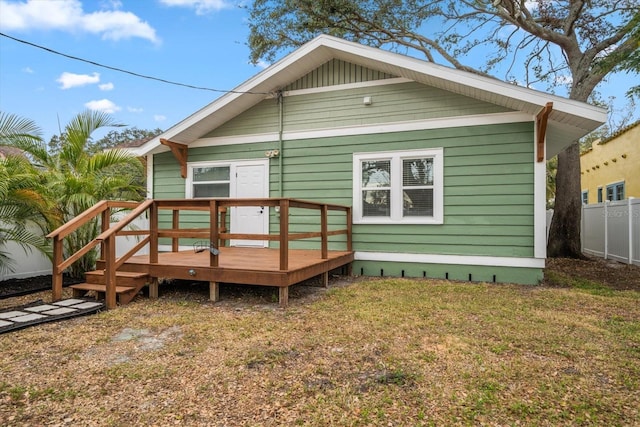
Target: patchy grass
x,y
376,352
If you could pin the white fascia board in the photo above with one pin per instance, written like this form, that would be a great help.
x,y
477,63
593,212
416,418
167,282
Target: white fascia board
x,y
489,261
437,123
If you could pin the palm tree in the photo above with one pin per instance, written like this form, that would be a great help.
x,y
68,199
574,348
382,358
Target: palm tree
x,y
75,179
24,212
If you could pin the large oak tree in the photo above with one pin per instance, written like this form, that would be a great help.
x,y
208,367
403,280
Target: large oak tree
x,y
578,42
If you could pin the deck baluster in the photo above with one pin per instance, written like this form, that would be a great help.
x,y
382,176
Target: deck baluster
x,y
56,277
175,223
110,271
284,234
324,212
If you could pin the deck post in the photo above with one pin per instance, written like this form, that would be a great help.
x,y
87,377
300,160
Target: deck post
x,y
283,296
214,291
175,224
153,233
324,212
153,288
284,235
56,277
223,224
214,231
110,272
325,279
105,223
349,229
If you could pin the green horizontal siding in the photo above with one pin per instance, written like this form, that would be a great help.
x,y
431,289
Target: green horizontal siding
x,y
488,187
326,110
488,195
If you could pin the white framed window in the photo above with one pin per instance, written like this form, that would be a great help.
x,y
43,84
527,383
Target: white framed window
x,y
585,197
207,180
398,187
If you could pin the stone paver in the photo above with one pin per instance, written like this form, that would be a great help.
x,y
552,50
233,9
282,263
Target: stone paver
x,y
20,317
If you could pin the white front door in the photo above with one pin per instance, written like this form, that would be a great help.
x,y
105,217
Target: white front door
x,y
250,181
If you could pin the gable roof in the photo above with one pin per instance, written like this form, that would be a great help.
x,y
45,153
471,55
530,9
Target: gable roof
x,y
568,121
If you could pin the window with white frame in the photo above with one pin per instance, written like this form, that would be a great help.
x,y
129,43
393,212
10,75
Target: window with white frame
x,y
398,187
208,181
585,197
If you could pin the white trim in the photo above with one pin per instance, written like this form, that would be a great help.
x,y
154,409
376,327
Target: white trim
x,y
235,140
539,200
396,193
347,86
233,164
450,259
188,182
437,123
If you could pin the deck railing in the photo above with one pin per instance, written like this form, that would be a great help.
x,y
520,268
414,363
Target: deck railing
x,y
216,232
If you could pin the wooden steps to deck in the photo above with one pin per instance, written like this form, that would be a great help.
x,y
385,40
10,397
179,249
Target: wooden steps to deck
x,y
127,285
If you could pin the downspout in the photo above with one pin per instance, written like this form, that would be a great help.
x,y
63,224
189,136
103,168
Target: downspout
x,y
280,131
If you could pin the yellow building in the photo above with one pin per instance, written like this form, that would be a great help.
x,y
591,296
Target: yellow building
x,y
610,170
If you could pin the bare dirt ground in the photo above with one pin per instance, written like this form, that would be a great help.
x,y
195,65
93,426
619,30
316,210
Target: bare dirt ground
x,y
612,274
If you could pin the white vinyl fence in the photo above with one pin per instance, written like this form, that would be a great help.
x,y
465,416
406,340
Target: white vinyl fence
x,y
611,230
33,263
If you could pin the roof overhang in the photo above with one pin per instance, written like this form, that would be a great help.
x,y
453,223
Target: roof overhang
x,y
568,121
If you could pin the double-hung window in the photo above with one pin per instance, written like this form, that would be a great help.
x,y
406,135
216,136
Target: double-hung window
x,y
615,191
585,197
208,181
404,187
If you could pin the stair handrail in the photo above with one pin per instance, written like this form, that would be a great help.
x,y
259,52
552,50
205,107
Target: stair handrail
x,y
69,227
126,220
108,238
59,263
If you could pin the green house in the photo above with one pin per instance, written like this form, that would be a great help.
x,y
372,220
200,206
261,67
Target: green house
x,y
445,169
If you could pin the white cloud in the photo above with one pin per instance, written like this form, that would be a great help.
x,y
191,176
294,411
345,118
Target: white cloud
x,y
135,110
262,64
201,6
159,118
69,80
28,70
106,86
68,15
103,105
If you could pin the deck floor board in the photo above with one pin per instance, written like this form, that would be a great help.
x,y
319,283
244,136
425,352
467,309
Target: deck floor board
x,y
253,266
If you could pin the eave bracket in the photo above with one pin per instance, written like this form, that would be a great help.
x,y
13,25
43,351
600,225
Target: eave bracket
x,y
180,152
541,130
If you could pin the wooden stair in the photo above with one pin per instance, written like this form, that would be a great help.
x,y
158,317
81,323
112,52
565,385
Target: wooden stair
x,y
127,285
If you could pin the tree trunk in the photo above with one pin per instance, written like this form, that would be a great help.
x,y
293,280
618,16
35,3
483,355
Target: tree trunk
x,y
564,233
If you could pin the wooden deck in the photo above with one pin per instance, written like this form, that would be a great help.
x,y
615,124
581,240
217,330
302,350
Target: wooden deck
x,y
280,267
250,266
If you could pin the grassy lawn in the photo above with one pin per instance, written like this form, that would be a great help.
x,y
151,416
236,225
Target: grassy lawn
x,y
386,352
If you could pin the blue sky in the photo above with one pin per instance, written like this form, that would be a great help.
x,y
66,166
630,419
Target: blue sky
x,y
196,42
